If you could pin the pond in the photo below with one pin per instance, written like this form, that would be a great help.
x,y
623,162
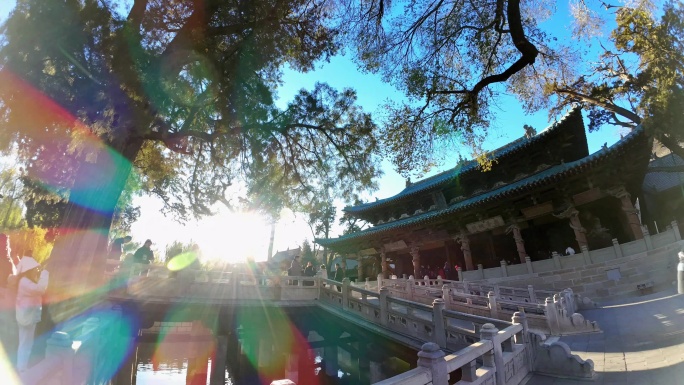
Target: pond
x,y
317,349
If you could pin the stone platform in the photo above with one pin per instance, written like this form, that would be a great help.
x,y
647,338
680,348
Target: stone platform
x,y
642,342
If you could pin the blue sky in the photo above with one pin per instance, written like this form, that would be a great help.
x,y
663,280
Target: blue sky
x,y
249,235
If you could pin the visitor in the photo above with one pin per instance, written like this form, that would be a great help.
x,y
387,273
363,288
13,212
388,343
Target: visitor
x,y
339,275
295,269
569,251
441,273
309,271
447,271
116,247
143,256
32,282
322,272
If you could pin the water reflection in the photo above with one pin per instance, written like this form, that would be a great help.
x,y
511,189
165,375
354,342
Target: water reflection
x,y
254,347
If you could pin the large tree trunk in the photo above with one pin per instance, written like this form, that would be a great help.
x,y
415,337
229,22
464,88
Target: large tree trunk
x,y
78,258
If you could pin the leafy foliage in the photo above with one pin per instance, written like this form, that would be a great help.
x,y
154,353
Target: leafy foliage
x,y
446,56
33,240
184,91
453,59
308,255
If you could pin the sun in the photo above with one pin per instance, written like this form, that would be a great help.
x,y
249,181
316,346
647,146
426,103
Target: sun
x,y
233,237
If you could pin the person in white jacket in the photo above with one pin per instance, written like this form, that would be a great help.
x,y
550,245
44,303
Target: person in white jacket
x,y
32,284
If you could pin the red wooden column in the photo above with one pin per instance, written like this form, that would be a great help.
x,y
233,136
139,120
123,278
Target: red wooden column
x,y
383,263
465,247
631,213
572,214
519,241
415,254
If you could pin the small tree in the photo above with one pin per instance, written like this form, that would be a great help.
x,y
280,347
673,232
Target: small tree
x,y
308,254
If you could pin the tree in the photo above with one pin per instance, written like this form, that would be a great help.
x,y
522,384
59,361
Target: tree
x,y
308,254
181,92
34,240
648,90
454,58
11,210
320,218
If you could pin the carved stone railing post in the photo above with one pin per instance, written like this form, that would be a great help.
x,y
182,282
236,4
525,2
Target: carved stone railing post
x,y
495,358
533,295
523,337
528,263
481,270
647,237
459,271
345,293
497,291
446,295
504,271
384,306
616,248
586,255
381,279
432,358
493,305
556,260
675,228
551,316
439,336
410,288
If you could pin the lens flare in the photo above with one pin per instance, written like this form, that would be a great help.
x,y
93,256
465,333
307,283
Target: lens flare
x,y
269,328
7,373
69,155
181,261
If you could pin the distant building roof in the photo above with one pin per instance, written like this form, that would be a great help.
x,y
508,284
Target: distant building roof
x,y
471,165
548,176
286,255
663,180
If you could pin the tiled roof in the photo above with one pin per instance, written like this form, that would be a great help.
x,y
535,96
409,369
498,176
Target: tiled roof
x,y
661,181
550,175
469,166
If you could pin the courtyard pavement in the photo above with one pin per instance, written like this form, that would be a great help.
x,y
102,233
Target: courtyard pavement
x,y
642,342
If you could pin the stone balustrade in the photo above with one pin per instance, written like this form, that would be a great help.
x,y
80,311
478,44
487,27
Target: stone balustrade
x,y
487,350
584,257
548,312
499,357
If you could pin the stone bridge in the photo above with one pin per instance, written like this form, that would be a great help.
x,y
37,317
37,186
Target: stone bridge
x,y
454,347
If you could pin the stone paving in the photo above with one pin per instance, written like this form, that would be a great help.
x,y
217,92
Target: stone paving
x,y
642,342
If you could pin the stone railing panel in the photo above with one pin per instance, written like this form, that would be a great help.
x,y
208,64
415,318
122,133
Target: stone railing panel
x,y
570,261
663,239
517,269
555,358
634,247
543,266
494,272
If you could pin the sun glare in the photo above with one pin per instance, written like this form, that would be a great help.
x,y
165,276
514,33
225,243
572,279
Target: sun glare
x,y
233,237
